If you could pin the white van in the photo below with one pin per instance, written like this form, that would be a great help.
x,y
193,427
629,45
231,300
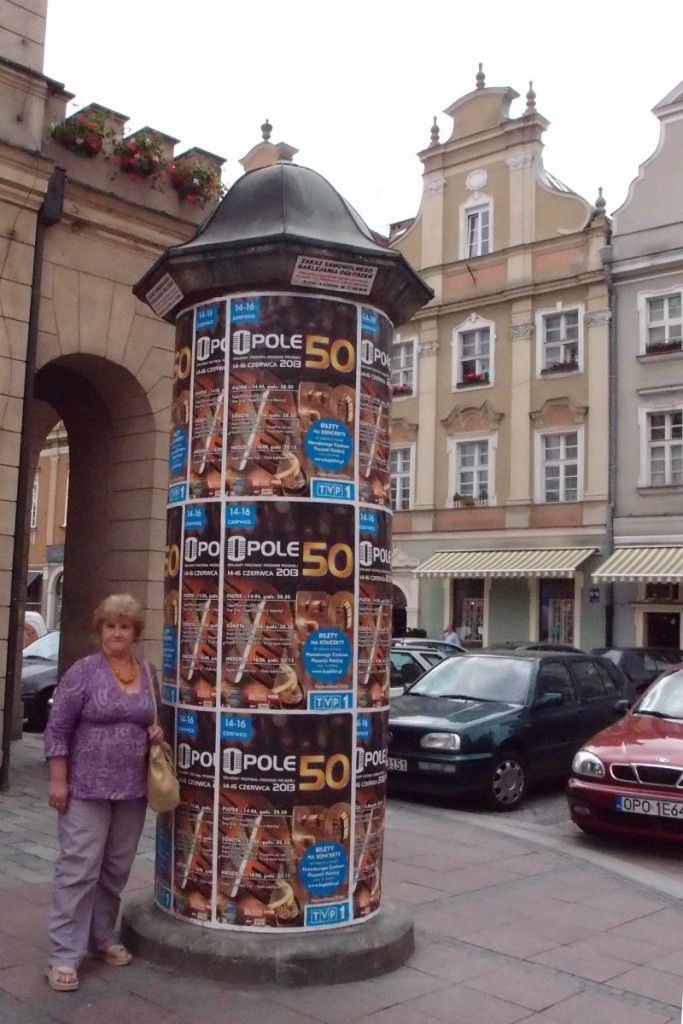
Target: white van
x,y
34,627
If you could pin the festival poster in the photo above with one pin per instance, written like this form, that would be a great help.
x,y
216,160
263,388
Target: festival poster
x,y
374,608
374,413
370,795
193,831
171,624
208,400
163,862
180,410
292,397
288,600
199,604
284,843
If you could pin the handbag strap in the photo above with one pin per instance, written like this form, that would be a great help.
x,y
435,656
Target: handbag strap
x,y
151,690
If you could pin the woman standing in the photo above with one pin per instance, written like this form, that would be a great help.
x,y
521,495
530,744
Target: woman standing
x,y
96,741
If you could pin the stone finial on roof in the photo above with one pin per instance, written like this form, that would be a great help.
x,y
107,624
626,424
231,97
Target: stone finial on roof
x,y
434,134
600,203
266,129
531,99
480,77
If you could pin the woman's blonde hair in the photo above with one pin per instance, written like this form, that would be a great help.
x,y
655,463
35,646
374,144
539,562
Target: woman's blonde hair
x,y
119,606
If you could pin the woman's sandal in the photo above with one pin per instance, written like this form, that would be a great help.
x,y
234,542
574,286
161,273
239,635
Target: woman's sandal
x,y
116,956
62,979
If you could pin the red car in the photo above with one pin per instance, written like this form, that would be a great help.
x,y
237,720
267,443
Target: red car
x,y
628,780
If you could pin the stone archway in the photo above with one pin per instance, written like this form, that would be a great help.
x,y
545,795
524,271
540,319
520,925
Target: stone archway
x,y
115,524
399,611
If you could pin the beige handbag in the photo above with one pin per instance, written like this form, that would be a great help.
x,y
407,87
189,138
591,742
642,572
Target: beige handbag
x,y
163,791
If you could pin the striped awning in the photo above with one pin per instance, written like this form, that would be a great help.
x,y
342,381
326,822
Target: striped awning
x,y
519,562
642,565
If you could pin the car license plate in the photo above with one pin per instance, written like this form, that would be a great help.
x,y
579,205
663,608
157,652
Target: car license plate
x,y
646,805
397,764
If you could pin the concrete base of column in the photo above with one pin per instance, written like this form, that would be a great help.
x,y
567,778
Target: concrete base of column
x,y
251,956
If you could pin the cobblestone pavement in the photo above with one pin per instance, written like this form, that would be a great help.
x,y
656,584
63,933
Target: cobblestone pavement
x,y
510,926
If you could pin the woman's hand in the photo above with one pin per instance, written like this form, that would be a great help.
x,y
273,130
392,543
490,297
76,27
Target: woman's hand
x,y
58,795
156,734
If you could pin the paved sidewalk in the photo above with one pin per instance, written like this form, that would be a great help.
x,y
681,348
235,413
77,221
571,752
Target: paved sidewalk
x,y
507,930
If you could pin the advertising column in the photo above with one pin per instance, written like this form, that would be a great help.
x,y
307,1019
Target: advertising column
x,y
277,612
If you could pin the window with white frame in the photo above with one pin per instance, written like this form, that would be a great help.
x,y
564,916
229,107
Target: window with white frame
x,y
560,339
478,231
664,322
560,465
473,346
401,468
665,448
472,470
34,504
476,227
403,366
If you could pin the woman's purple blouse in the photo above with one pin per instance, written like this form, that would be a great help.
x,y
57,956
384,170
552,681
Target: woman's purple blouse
x,y
101,730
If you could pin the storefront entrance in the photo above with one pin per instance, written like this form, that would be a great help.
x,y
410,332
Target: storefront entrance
x,y
662,629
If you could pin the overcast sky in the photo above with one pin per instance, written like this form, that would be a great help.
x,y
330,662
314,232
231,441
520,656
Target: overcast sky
x,y
355,86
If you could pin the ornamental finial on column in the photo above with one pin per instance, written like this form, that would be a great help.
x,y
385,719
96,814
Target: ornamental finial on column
x,y
434,134
481,77
531,99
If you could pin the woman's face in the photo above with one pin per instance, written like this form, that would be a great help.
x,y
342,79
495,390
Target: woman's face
x,y
117,637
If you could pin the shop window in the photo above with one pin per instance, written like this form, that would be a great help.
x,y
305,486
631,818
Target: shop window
x,y
468,611
556,611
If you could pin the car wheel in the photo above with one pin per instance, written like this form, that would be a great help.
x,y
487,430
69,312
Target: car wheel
x,y
36,719
507,781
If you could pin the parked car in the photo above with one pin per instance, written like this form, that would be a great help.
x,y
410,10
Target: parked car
x,y
628,780
409,663
39,678
533,645
424,642
34,627
641,665
493,723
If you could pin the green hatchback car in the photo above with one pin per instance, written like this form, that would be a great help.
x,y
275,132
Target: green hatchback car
x,y
494,723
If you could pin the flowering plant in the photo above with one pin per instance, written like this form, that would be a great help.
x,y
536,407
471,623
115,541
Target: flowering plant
x,y
560,366
195,182
82,133
475,378
401,389
140,155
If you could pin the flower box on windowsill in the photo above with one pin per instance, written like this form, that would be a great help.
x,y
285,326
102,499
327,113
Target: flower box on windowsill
x,y
401,390
659,348
472,379
470,502
570,366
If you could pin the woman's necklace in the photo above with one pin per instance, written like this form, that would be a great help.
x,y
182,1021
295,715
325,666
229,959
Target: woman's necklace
x,y
126,680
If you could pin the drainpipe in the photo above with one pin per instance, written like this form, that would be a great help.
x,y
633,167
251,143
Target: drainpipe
x,y
607,257
50,213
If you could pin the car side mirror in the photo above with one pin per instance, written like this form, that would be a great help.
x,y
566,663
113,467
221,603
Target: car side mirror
x,y
549,700
622,706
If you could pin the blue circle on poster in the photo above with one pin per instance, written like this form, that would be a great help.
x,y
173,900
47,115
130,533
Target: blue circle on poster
x,y
328,444
169,647
326,655
322,869
178,450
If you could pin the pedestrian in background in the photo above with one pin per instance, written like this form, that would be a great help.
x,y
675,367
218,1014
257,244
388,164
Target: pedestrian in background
x,y
451,636
97,742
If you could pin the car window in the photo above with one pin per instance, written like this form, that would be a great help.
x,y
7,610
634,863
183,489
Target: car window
x,y
615,674
480,677
608,681
433,657
553,677
590,680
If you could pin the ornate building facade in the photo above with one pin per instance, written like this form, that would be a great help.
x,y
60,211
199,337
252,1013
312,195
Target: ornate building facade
x,y
500,432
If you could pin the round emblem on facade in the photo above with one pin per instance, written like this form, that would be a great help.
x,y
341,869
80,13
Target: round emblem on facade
x,y
476,179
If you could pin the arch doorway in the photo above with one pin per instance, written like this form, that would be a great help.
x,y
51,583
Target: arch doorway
x,y
115,520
